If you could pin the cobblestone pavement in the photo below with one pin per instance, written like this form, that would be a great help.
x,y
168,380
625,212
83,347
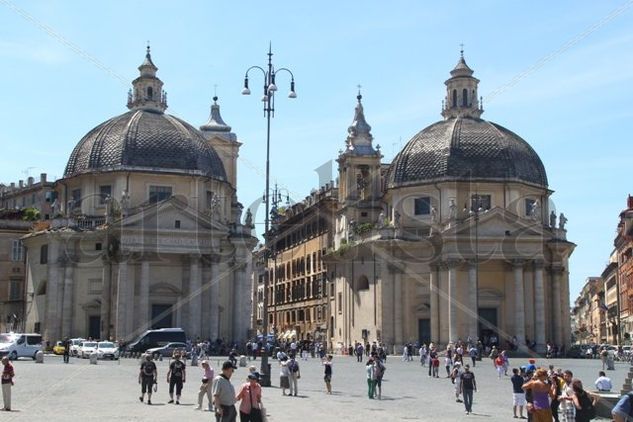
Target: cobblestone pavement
x,y
55,391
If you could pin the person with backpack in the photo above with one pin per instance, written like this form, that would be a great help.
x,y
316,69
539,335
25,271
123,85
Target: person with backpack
x,y
147,377
584,402
176,378
295,374
623,410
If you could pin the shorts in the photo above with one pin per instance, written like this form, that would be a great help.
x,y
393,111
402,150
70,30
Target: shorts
x,y
379,381
518,399
327,378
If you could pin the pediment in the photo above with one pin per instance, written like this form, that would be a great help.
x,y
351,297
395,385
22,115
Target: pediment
x,y
172,214
498,222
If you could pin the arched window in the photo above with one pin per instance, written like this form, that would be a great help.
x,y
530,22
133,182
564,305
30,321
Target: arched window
x,y
362,283
150,92
454,98
464,97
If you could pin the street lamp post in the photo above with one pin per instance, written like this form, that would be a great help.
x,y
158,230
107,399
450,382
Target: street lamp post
x,y
268,99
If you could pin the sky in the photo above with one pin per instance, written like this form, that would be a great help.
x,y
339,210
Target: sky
x,y
559,74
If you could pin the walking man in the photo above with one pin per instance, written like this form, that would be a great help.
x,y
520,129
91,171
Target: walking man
x,y
468,387
67,344
295,374
176,378
224,394
147,377
7,382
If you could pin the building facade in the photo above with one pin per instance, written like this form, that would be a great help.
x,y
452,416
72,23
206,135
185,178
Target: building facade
x,y
456,241
624,251
148,231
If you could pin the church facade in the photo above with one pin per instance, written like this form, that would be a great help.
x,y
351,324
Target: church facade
x,y
147,230
453,240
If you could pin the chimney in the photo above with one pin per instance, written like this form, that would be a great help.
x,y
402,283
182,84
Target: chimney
x,y
12,185
21,183
629,202
42,177
29,181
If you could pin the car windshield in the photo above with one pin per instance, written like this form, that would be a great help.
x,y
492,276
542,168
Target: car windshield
x,y
106,345
89,344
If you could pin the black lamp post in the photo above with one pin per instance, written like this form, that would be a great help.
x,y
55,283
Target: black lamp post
x,y
269,111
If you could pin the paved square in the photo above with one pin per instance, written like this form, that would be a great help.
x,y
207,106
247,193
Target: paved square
x,y
80,391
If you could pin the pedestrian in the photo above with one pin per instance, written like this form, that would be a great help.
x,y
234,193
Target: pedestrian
x,y
499,365
468,386
584,402
422,354
541,391
518,395
473,354
456,379
370,369
603,383
379,369
205,387
505,362
251,400
67,344
295,375
436,366
147,377
176,378
284,375
327,377
623,410
556,380
224,394
7,382
448,362
566,408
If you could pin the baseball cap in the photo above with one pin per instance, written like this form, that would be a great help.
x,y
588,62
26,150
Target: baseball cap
x,y
252,376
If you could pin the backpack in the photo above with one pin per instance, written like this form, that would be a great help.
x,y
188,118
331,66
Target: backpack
x,y
294,367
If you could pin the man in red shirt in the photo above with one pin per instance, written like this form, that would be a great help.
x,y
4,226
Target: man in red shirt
x,y
7,382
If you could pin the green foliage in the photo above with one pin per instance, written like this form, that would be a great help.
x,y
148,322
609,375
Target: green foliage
x,y
31,214
363,228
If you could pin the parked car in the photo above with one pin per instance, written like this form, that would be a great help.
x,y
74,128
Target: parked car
x,y
76,344
152,339
59,348
86,348
168,350
17,345
107,350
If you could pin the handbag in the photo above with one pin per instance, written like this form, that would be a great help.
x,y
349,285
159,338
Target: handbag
x,y
256,412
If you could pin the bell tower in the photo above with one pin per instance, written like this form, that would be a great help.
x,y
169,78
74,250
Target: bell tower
x,y
359,174
147,90
461,92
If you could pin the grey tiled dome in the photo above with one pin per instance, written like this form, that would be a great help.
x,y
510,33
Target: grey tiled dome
x,y
145,140
462,149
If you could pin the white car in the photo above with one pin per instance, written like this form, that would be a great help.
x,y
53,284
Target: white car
x,y
86,348
107,350
76,344
16,345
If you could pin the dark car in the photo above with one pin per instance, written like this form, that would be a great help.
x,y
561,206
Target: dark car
x,y
152,339
168,350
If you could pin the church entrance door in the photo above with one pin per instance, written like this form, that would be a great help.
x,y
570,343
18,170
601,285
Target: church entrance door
x,y
162,316
94,326
488,331
424,331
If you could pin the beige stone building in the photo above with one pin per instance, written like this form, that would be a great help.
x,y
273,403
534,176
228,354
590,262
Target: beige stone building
x,y
590,314
611,302
457,240
149,230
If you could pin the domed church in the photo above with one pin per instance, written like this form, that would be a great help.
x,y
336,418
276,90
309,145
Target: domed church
x,y
454,240
147,231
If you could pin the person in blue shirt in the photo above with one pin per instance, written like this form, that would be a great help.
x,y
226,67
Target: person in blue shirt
x,y
622,411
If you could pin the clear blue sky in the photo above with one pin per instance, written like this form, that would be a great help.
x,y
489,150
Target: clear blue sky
x,y
560,74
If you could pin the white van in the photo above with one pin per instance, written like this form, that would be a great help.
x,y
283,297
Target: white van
x,y
17,345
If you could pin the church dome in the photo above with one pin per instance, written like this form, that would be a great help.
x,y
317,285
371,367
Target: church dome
x,y
145,138
464,147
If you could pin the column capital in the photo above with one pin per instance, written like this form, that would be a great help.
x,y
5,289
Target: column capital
x,y
472,263
557,269
538,264
517,263
452,263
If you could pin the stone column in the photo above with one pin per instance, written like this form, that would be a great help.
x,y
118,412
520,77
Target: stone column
x,y
122,303
398,316
452,301
106,287
240,310
143,309
519,303
556,313
67,302
473,315
195,296
214,299
565,317
54,270
539,307
435,303
206,300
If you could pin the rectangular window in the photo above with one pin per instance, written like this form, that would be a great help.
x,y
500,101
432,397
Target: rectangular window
x,y
15,290
422,206
98,246
76,197
44,254
479,202
159,193
177,224
17,251
94,286
529,205
105,191
340,303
